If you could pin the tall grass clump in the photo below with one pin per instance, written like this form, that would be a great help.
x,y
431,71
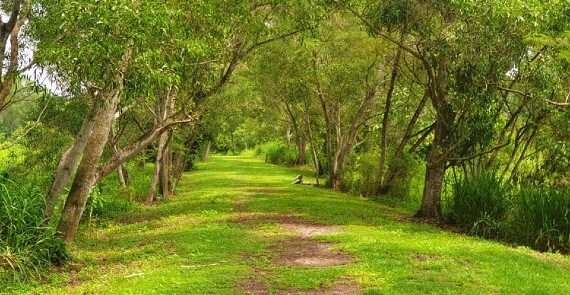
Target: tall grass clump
x,y
479,205
361,174
27,245
278,153
540,218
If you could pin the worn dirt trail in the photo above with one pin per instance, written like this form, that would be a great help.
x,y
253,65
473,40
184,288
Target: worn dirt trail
x,y
299,249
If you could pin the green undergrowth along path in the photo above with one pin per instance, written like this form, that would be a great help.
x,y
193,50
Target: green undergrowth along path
x,y
192,244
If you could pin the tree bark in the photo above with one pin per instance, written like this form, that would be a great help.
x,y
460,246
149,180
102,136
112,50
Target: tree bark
x,y
69,161
163,142
86,172
436,165
390,177
385,118
207,151
166,166
11,30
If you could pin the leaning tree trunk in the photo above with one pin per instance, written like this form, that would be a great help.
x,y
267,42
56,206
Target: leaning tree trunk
x,y
85,176
69,161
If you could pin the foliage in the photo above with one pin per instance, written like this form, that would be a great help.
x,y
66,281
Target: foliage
x,y
107,200
27,245
406,170
277,153
11,158
479,204
536,217
361,173
540,218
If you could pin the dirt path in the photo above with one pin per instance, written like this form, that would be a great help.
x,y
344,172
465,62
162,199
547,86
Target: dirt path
x,y
299,249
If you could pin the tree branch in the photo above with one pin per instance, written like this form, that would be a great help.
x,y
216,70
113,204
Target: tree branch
x,y
481,153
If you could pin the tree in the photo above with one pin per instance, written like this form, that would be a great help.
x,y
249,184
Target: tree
x,y
463,65
18,12
167,48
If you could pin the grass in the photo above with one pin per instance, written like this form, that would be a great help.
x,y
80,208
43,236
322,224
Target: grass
x,y
188,245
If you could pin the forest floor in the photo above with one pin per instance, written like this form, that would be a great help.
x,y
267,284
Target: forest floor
x,y
238,226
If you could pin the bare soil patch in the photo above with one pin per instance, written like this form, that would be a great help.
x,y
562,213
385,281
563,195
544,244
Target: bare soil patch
x,y
299,251
340,289
310,230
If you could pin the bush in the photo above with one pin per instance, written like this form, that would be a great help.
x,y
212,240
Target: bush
x,y
108,199
278,153
478,205
535,217
406,169
540,218
361,174
27,245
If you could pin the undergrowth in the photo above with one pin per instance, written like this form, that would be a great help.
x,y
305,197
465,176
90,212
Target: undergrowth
x,y
535,217
27,245
278,153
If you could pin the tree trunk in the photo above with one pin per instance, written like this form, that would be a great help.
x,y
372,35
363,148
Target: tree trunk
x,y
233,141
10,30
86,172
69,161
436,165
390,177
523,153
122,180
180,160
207,151
155,177
126,174
385,118
301,145
166,167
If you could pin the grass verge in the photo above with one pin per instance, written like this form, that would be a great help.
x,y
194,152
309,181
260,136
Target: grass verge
x,y
191,244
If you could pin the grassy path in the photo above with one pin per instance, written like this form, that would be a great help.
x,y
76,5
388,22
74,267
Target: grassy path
x,y
237,221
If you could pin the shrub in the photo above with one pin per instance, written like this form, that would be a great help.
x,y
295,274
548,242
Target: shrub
x,y
540,218
478,204
109,199
27,245
361,173
406,168
278,153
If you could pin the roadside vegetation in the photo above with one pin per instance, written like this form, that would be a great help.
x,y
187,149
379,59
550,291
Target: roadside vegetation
x,y
449,114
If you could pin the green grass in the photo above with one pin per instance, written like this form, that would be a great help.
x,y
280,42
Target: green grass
x,y
187,245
